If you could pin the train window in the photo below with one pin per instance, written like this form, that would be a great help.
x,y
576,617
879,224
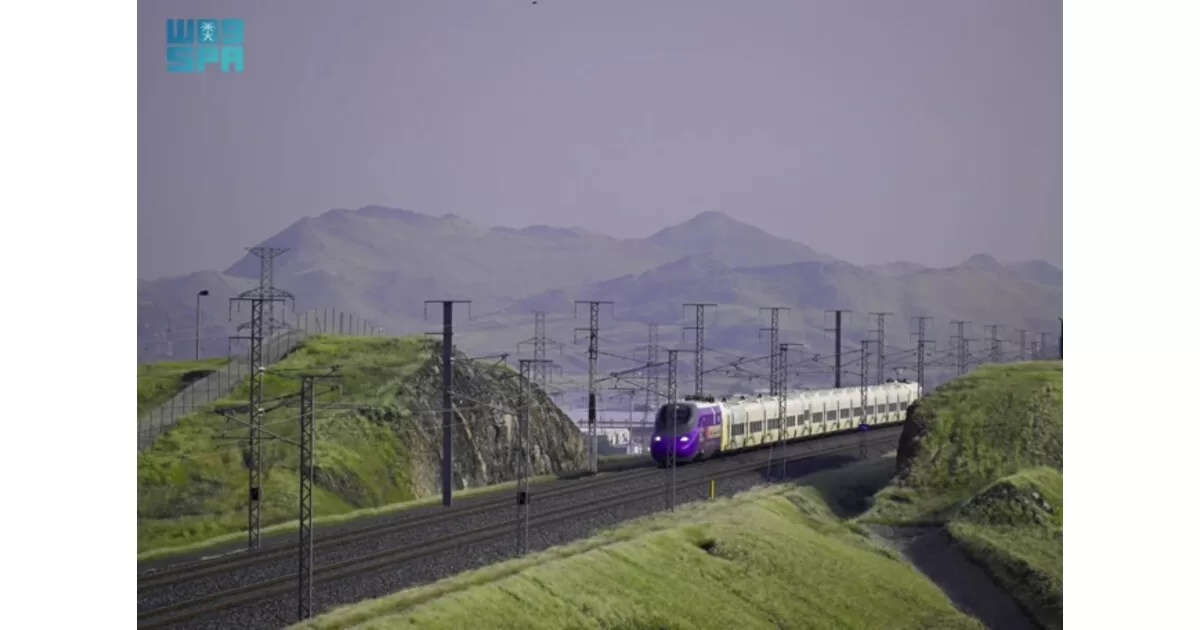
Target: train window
x,y
845,413
791,421
756,426
683,413
773,424
738,430
858,412
894,407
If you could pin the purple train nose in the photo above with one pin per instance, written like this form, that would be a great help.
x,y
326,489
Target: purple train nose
x,y
686,446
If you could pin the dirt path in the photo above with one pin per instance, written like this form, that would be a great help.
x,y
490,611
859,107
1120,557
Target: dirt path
x,y
933,552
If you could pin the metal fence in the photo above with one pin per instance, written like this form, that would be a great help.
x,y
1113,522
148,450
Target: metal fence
x,y
221,383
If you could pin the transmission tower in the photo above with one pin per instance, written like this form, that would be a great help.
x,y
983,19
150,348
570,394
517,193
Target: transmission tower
x,y
959,340
539,342
1044,345
994,330
307,413
527,367
1021,332
922,322
593,331
781,386
261,299
773,331
672,397
651,372
308,441
862,397
837,345
880,372
699,331
447,334
539,348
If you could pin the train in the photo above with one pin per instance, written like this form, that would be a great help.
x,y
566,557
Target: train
x,y
703,427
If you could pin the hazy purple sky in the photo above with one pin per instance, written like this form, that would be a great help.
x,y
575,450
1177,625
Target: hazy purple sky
x,y
923,130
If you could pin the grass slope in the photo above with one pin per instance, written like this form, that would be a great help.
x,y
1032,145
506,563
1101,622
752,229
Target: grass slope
x,y
1014,528
192,482
972,431
159,382
771,558
982,455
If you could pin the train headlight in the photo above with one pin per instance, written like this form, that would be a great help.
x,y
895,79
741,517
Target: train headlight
x,y
683,439
658,438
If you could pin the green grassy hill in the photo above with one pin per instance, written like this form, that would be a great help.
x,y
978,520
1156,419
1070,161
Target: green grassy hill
x,y
771,558
982,456
192,481
159,382
1014,527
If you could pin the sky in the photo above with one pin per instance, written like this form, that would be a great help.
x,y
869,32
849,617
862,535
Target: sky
x,y
923,130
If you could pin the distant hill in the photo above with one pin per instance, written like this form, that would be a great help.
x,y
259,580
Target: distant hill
x,y
982,295
383,263
731,242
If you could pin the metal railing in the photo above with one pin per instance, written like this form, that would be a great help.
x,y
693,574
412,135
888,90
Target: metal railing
x,y
220,383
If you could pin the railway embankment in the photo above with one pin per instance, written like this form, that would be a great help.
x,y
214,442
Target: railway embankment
x,y
759,559
979,473
378,441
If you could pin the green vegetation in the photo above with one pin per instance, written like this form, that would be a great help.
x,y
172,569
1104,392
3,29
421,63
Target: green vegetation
x,y
970,432
769,558
159,382
1014,527
983,456
192,482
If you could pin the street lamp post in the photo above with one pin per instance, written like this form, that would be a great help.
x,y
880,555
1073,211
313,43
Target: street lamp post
x,y
202,293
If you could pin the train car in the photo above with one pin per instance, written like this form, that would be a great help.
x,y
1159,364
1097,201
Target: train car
x,y
690,429
708,428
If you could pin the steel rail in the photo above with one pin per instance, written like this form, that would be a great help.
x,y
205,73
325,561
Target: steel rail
x,y
217,602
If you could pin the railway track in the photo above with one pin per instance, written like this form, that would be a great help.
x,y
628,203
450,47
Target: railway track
x,y
400,522
688,478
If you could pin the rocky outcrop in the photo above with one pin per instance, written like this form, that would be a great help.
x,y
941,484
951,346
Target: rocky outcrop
x,y
916,427
486,399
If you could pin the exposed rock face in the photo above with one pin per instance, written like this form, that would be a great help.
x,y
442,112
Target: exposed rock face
x,y
486,399
916,427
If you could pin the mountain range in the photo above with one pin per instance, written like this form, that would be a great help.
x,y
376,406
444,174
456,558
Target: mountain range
x,y
382,264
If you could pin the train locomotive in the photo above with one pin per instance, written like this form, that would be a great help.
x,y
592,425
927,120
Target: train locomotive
x,y
701,428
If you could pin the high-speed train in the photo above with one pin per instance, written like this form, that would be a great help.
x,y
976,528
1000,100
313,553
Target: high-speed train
x,y
703,428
